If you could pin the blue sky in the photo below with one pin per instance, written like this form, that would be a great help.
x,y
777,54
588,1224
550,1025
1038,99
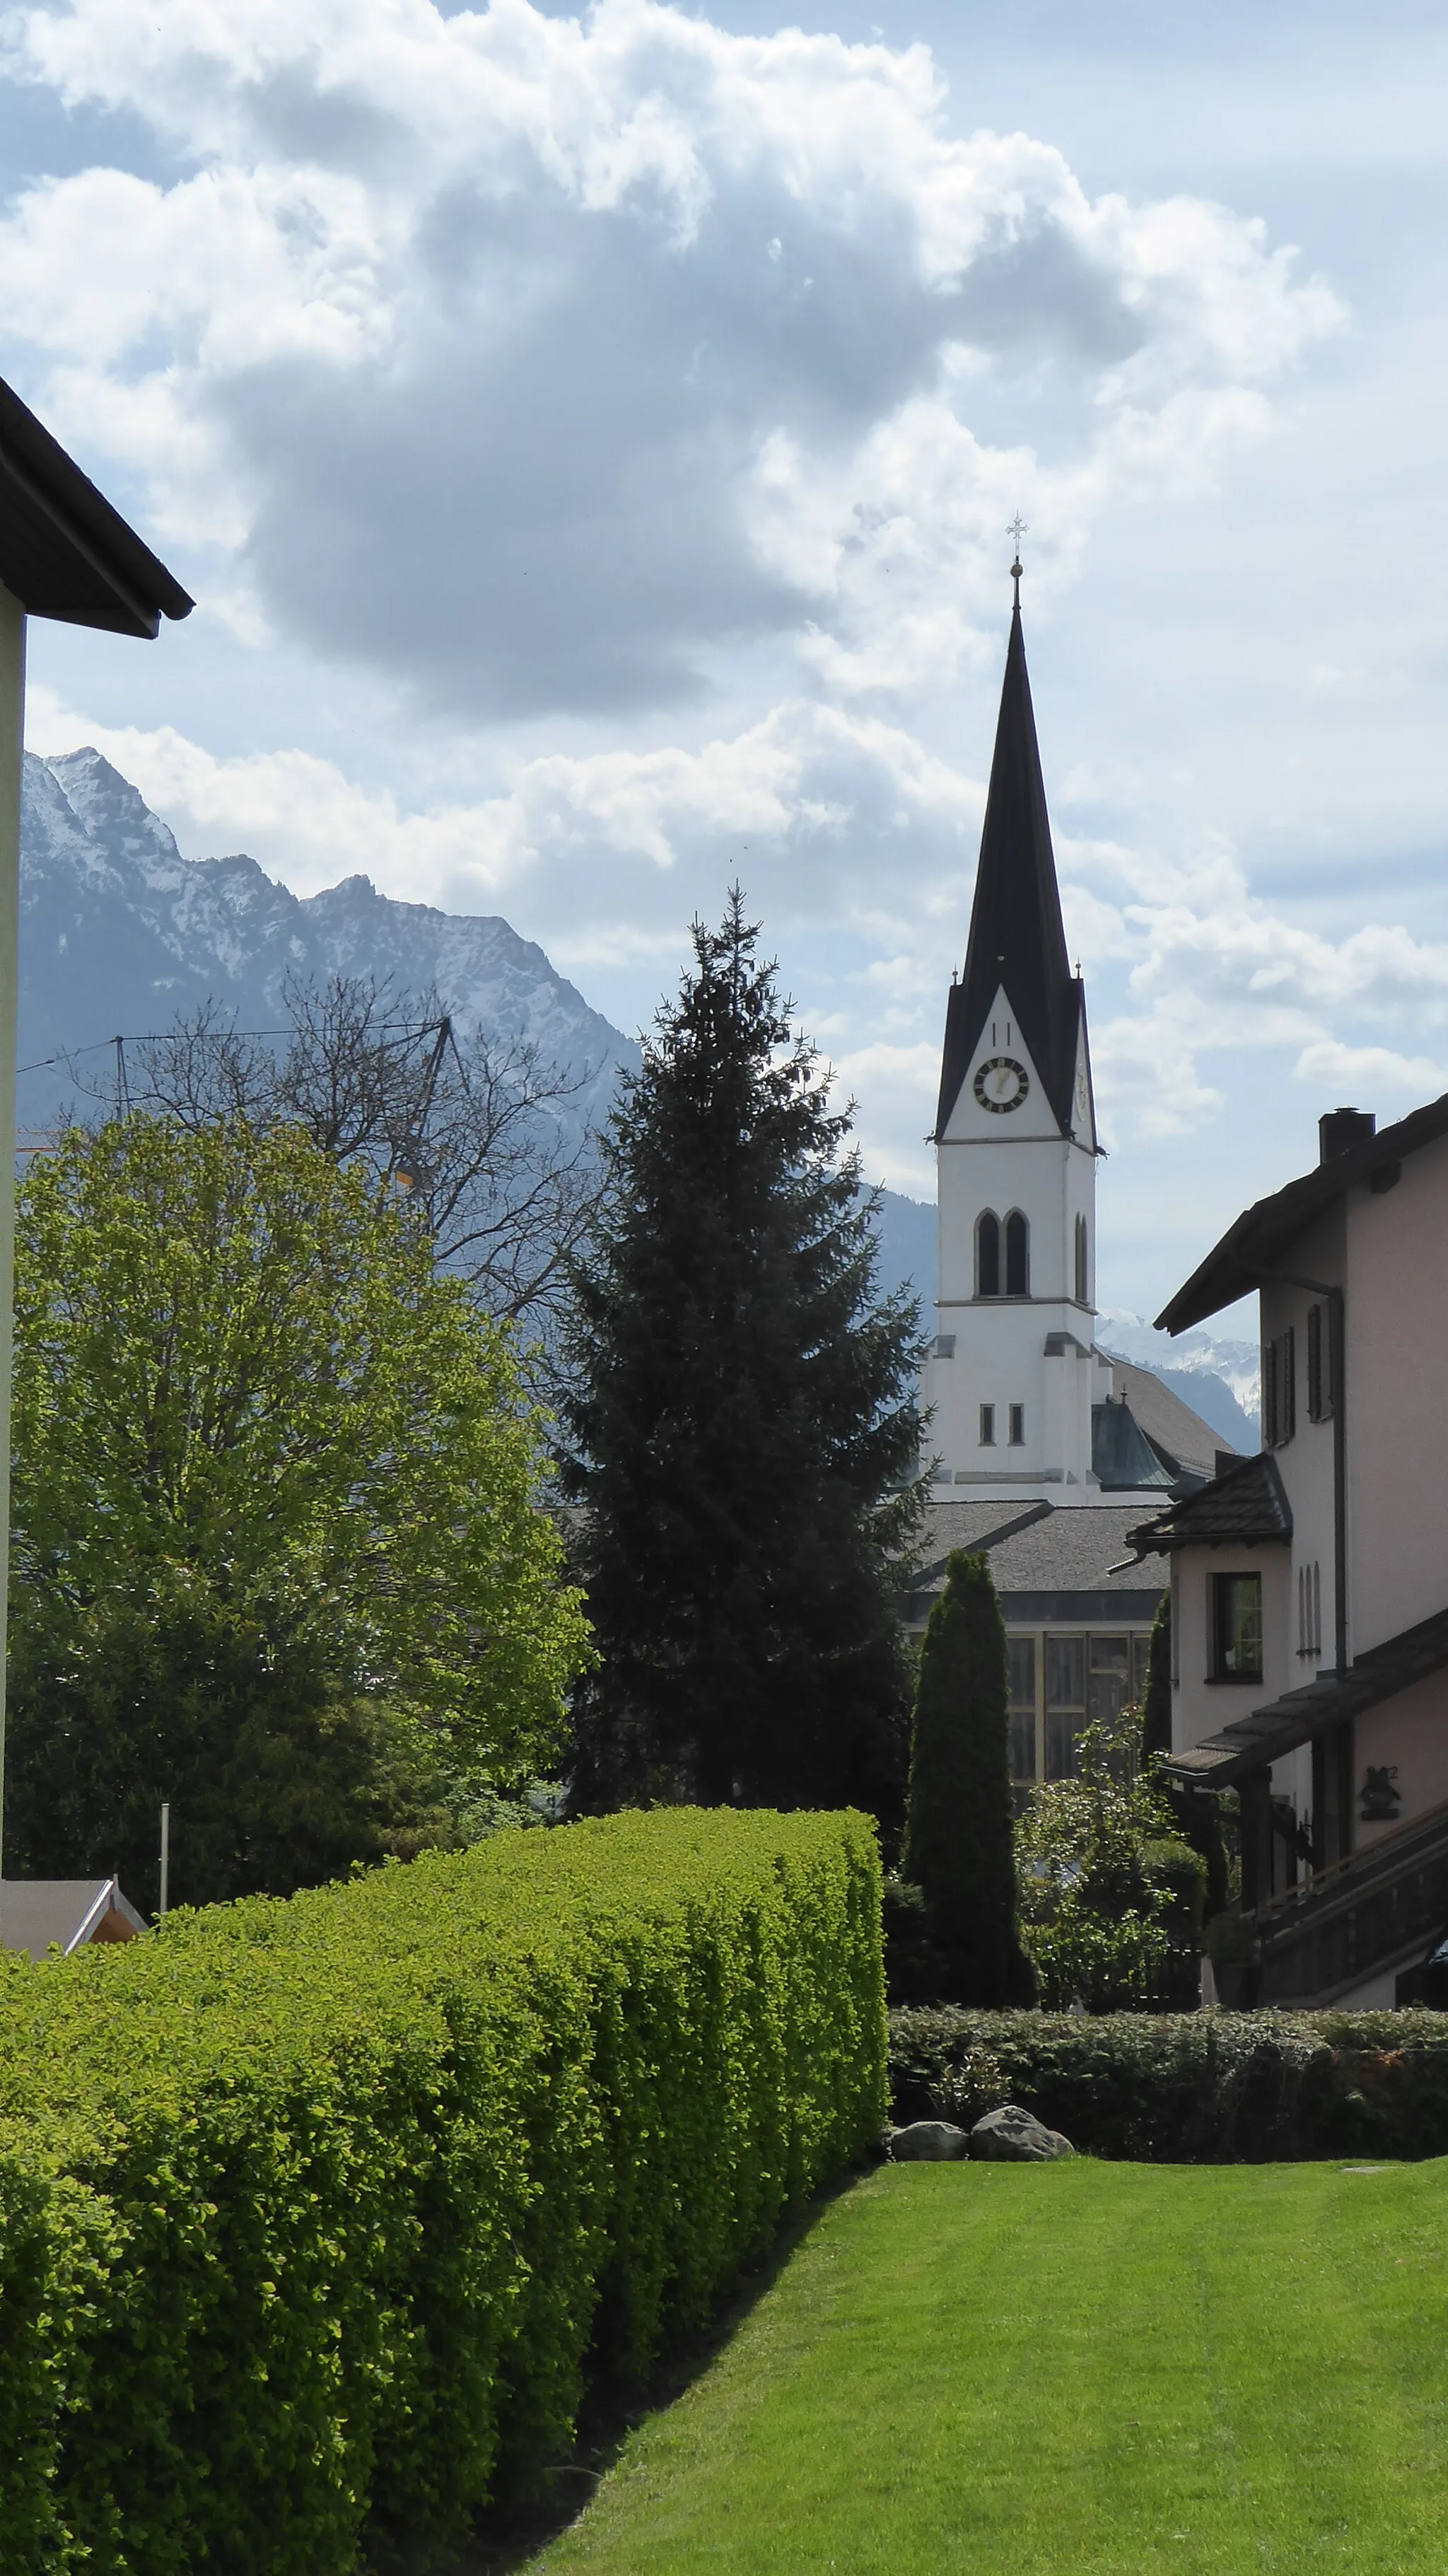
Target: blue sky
x,y
591,444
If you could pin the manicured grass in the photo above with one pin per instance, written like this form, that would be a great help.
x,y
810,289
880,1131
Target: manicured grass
x,y
1086,2369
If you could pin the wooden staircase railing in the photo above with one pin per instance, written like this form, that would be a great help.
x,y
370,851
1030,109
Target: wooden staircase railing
x,y
1369,1913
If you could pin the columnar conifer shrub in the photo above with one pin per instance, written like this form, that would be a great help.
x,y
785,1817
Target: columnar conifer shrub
x,y
959,1840
310,2211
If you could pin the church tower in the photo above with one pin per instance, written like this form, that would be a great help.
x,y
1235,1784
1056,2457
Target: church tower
x,y
1013,1372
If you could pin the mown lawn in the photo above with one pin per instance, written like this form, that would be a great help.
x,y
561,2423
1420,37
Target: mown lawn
x,y
973,2370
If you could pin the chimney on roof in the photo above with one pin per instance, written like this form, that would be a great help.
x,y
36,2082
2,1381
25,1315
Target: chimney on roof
x,y
1338,1130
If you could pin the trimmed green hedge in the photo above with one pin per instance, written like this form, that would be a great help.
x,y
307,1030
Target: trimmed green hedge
x,y
312,2213
1187,2088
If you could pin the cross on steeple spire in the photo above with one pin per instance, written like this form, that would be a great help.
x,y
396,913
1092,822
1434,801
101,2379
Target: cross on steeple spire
x,y
1015,532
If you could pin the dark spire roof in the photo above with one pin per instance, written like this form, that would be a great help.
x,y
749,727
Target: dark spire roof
x,y
1016,937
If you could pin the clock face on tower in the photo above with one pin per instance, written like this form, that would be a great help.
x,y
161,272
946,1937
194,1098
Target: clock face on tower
x,y
1001,1083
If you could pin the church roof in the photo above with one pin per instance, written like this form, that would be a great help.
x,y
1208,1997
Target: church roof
x,y
1123,1460
1183,1442
1016,935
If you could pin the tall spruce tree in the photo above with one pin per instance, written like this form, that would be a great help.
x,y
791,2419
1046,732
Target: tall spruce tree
x,y
959,1830
744,1426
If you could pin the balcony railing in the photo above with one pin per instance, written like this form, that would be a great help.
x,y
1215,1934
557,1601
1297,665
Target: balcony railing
x,y
1361,1915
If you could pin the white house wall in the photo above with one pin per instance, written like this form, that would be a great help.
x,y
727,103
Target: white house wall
x,y
1397,1416
1202,1706
1409,1735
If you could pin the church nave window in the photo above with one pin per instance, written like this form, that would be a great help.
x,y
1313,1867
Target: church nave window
x,y
1081,1296
988,1255
1018,1255
1017,1417
987,1426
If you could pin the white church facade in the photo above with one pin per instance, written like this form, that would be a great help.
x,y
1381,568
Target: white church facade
x,y
1046,1449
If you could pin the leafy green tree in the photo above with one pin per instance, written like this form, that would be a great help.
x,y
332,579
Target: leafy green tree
x,y
959,1835
278,1550
744,1425
1101,1870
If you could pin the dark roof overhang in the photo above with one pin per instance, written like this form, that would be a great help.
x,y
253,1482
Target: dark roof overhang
x,y
1242,1507
1250,1743
65,553
1254,1248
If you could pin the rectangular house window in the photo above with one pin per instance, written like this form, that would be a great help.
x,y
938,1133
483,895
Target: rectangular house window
x,y
1236,1627
1018,1426
1279,1389
987,1426
1021,1672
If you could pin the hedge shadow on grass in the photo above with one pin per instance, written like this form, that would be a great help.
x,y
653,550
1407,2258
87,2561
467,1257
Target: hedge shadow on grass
x,y
510,2533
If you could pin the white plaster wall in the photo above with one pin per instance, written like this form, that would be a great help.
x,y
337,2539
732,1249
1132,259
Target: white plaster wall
x,y
1397,1399
1003,1161
1201,1706
1306,1462
1410,1731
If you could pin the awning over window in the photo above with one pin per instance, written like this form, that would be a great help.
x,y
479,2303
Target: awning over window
x,y
1263,1737
1240,1508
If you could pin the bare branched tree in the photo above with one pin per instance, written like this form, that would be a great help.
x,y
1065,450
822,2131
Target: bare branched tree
x,y
485,1137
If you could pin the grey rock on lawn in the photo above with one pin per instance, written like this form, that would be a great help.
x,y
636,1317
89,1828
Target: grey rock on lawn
x,y
928,2142
1011,2136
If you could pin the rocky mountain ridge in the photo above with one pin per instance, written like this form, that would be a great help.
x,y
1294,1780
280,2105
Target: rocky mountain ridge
x,y
119,933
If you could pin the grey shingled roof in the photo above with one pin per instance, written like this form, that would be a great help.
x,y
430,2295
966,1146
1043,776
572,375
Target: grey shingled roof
x,y
1242,1508
1042,1554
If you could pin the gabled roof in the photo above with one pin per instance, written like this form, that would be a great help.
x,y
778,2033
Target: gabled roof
x,y
1269,1732
37,1914
64,552
1265,1233
1243,1507
1016,936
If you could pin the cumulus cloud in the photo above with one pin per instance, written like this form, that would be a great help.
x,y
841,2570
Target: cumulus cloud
x,y
841,827
537,362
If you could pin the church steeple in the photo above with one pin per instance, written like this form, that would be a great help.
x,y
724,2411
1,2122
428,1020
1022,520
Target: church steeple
x,y
1017,942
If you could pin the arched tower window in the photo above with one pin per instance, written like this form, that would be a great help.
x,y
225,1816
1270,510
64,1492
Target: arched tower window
x,y
1081,1296
988,1255
1018,1255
